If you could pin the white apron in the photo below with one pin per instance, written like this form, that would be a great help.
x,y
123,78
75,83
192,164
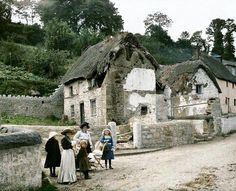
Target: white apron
x,y
67,171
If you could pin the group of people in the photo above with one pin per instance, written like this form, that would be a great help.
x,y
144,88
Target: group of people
x,y
69,159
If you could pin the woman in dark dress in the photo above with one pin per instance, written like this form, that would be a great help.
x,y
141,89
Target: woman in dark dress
x,y
67,173
53,158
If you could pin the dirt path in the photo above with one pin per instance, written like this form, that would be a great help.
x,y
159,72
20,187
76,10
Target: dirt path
x,y
203,166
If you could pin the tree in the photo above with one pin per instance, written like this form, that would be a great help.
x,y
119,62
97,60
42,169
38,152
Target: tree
x,y
96,15
184,40
59,36
229,48
157,19
155,25
5,12
215,34
25,9
198,42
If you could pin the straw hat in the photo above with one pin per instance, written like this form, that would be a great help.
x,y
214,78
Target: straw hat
x,y
67,130
103,132
83,142
52,134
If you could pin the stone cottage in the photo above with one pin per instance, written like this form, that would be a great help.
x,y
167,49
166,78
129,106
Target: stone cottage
x,y
227,83
112,80
189,89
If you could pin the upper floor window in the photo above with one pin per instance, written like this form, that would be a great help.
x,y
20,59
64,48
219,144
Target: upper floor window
x,y
232,85
93,107
71,91
227,84
199,88
144,110
72,110
234,102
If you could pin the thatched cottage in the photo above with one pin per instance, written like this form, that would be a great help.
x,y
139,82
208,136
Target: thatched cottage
x,y
113,80
189,87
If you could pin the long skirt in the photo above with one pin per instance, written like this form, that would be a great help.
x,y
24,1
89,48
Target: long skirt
x,y
67,173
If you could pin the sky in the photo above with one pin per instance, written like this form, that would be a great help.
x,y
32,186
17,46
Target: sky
x,y
187,15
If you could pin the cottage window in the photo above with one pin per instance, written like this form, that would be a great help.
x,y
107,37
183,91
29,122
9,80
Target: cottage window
x,y
227,84
232,85
71,91
72,110
199,88
227,101
93,107
144,110
234,102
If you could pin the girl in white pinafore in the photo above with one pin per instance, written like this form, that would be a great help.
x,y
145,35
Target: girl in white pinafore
x,y
67,173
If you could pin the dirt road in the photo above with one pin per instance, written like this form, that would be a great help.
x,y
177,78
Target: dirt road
x,y
202,166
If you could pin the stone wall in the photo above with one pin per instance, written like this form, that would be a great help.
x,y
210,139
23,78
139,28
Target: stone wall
x,y
163,135
83,93
20,160
33,106
228,124
95,131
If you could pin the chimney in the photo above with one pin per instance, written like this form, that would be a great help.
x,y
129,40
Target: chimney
x,y
195,53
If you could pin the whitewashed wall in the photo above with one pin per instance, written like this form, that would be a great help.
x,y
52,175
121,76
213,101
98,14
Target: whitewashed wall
x,y
140,85
193,103
228,124
229,92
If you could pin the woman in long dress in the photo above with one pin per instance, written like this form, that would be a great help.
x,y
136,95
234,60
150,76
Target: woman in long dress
x,y
67,173
53,158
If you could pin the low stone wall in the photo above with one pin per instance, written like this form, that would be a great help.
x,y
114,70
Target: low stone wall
x,y
33,106
20,159
96,132
228,124
163,135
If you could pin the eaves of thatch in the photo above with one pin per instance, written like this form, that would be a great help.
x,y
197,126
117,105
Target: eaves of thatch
x,y
177,76
97,59
218,69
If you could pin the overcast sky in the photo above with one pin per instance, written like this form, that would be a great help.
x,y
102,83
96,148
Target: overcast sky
x,y
187,15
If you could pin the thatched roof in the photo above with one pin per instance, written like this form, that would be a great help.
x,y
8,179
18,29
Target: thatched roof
x,y
97,59
218,69
178,75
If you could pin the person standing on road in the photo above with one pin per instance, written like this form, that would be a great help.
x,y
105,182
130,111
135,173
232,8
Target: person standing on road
x,y
108,154
83,134
53,158
67,173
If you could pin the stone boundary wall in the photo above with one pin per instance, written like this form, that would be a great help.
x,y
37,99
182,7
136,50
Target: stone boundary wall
x,y
228,124
33,106
164,134
95,132
20,159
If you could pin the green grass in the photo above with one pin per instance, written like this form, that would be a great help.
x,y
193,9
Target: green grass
x,y
25,120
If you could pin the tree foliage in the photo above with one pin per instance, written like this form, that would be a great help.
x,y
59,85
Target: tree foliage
x,y
215,34
184,40
198,42
157,19
229,48
59,36
97,15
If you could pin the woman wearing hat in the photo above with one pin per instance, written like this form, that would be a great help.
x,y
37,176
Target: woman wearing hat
x,y
83,134
108,154
53,157
67,173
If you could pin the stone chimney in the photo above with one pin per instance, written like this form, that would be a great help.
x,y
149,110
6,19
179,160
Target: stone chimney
x,y
196,53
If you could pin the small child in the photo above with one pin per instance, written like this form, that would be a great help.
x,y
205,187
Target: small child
x,y
82,159
53,158
108,154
